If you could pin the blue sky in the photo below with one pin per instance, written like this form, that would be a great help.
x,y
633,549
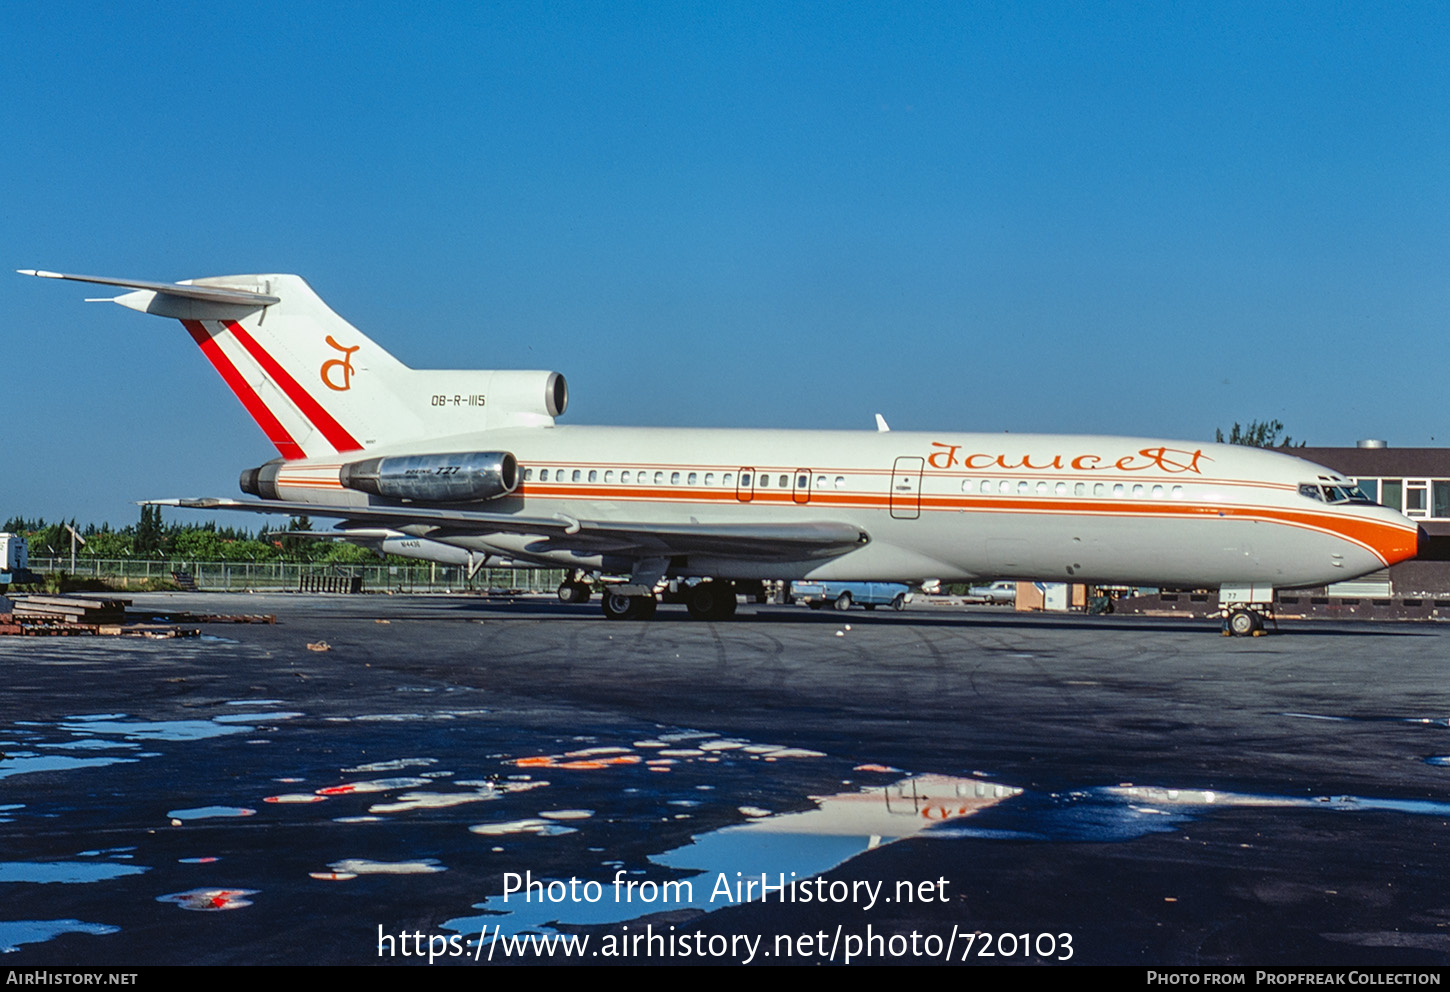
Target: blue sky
x,y
1057,217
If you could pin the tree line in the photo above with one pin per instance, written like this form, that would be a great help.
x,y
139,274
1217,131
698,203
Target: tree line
x,y
152,538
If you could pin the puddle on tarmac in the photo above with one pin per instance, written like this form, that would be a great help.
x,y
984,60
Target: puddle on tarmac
x,y
210,812
69,872
713,870
209,900
352,867
1127,812
23,764
159,730
14,933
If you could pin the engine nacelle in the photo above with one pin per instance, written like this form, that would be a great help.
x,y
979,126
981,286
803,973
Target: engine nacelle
x,y
542,393
462,477
262,480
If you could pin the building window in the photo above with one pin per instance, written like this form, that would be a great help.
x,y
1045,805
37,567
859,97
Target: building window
x,y
1391,494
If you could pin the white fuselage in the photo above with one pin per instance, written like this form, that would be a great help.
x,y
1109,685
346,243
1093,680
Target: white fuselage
x,y
1108,510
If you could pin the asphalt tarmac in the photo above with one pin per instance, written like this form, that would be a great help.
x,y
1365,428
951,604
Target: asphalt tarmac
x,y
971,785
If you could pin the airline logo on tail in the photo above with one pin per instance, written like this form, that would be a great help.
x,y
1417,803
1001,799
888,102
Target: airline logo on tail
x,y
342,366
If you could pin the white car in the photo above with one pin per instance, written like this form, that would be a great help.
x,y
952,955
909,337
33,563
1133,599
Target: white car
x,y
1003,592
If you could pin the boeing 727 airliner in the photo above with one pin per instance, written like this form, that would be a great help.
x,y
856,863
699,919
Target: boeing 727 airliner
x,y
474,461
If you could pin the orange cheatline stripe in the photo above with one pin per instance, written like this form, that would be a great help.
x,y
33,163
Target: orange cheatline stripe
x,y
336,434
1389,542
271,426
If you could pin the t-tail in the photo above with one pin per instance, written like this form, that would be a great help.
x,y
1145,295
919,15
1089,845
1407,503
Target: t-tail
x,y
316,385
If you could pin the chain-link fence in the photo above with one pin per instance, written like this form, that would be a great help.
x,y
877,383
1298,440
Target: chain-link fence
x,y
279,576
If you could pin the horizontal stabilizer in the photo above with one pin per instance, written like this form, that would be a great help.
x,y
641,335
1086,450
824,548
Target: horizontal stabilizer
x,y
208,294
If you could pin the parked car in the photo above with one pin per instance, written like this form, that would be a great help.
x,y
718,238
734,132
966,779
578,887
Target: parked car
x,y
844,595
995,592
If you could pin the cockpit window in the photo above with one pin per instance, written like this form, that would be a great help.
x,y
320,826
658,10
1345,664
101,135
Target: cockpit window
x,y
1335,491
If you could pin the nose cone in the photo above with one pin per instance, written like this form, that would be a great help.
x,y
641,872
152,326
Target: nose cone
x,y
1397,544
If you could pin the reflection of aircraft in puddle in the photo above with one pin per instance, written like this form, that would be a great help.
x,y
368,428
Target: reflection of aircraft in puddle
x,y
1146,797
765,855
883,815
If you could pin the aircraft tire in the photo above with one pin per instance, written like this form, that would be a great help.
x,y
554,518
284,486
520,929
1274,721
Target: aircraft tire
x,y
843,601
711,600
1243,623
574,592
620,607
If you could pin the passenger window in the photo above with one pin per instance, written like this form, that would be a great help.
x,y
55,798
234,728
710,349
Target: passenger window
x,y
1157,492
1099,489
744,480
1060,489
1004,486
1138,492
820,482
1118,489
593,475
785,482
624,476
764,480
1177,492
728,479
1080,489
575,476
1022,488
803,482
966,485
1042,489
528,475
840,482
659,478
709,478
609,475
691,480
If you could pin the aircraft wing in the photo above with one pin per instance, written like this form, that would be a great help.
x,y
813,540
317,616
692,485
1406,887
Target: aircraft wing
x,y
756,541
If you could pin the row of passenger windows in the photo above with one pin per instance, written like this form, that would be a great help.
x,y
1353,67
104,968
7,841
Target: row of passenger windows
x,y
802,481
1044,488
641,477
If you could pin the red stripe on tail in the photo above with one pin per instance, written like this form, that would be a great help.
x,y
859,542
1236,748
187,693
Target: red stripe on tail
x,y
270,425
336,434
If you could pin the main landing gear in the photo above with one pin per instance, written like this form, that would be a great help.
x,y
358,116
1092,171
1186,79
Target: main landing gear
x,y
618,606
573,591
713,599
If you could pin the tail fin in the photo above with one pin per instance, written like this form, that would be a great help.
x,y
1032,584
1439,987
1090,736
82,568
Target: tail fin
x,y
316,385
